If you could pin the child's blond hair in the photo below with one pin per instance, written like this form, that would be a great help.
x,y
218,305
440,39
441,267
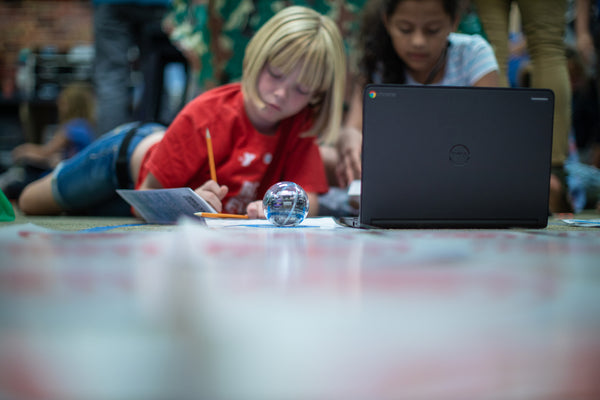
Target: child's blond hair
x,y
301,35
76,100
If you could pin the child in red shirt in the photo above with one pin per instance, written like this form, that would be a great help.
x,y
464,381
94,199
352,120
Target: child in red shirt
x,y
263,130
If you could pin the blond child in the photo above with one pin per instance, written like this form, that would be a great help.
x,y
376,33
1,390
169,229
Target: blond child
x,y
263,130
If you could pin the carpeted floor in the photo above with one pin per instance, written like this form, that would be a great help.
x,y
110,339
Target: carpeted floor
x,y
139,311
77,223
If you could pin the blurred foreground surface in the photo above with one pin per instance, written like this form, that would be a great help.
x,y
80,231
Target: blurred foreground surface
x,y
264,313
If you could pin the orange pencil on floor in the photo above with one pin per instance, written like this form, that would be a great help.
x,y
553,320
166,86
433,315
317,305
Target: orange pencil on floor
x,y
211,157
220,215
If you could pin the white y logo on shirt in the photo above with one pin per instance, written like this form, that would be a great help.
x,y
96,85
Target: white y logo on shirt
x,y
238,204
246,159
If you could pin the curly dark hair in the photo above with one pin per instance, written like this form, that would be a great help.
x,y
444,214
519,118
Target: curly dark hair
x,y
378,54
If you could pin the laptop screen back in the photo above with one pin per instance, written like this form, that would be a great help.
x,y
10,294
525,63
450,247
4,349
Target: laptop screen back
x,y
455,156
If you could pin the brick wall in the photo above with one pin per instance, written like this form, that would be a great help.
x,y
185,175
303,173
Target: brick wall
x,y
34,24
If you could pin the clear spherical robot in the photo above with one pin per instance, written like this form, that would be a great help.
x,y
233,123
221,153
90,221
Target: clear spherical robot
x,y
285,204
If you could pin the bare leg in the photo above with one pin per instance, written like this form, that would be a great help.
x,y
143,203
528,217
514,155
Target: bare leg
x,y
37,198
558,202
595,158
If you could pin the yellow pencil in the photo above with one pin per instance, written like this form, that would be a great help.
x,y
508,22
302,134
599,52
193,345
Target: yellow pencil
x,y
220,215
211,157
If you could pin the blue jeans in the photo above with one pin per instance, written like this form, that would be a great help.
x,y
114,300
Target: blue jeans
x,y
118,28
87,182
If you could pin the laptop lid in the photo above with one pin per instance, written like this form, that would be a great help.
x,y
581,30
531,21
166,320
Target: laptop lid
x,y
455,157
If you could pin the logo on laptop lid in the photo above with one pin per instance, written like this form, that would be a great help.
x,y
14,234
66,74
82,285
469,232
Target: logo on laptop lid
x,y
381,93
459,154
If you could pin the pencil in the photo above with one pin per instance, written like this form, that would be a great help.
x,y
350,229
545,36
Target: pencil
x,y
211,157
220,215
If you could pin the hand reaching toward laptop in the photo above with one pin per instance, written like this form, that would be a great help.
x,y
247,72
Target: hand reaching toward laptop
x,y
349,152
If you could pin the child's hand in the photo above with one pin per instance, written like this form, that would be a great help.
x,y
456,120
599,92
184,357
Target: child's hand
x,y
255,210
213,194
23,151
349,163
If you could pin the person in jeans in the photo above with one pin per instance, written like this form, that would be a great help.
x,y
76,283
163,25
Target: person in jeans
x,y
544,26
119,25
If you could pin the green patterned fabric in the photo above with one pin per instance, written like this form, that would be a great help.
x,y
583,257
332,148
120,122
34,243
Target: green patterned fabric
x,y
217,31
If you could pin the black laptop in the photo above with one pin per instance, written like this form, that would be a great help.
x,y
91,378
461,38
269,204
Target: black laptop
x,y
455,157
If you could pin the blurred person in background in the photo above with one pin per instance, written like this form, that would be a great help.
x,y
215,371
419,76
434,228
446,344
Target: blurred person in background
x,y
75,131
119,27
544,25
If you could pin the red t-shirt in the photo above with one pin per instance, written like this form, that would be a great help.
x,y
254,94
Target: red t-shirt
x,y
247,161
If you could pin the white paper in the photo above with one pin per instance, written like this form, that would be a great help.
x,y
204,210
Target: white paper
x,y
166,206
354,188
313,223
593,223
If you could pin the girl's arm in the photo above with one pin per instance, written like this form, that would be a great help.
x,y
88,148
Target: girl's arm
x,y
209,191
313,200
47,154
491,79
350,141
255,209
213,193
150,183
